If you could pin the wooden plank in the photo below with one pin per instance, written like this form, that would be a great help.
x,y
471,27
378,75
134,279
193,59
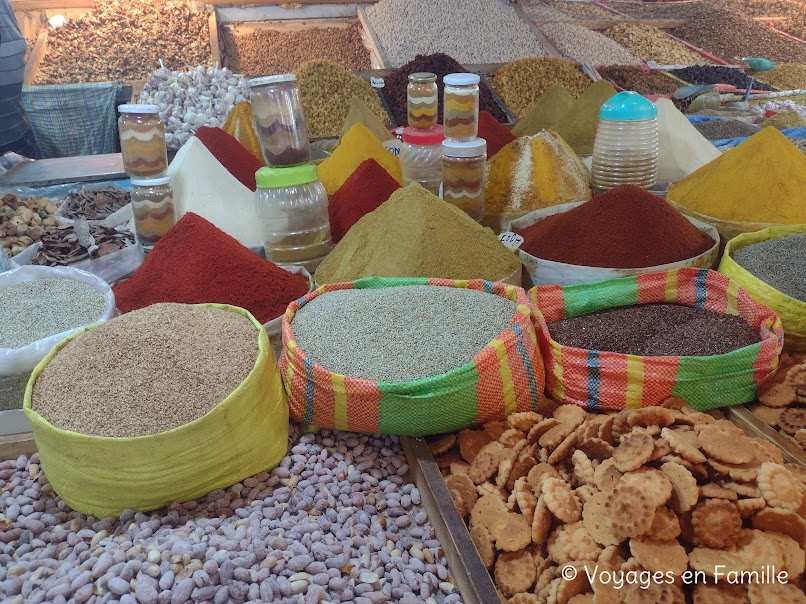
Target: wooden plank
x,y
22,5
283,3
600,24
743,417
215,43
88,168
35,60
469,573
538,33
14,445
240,14
371,41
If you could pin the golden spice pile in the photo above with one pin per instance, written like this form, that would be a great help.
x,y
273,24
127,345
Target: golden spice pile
x,y
664,490
782,401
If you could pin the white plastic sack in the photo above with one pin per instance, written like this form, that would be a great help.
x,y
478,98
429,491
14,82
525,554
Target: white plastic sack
x,y
549,272
18,360
110,267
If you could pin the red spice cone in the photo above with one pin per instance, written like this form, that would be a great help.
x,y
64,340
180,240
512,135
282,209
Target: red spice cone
x,y
236,158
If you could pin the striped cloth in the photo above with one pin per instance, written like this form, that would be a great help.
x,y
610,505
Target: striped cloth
x,y
15,130
73,119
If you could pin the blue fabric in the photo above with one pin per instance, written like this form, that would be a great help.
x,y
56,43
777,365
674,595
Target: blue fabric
x,y
73,119
698,119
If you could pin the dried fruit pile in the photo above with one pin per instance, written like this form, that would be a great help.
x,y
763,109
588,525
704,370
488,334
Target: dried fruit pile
x,y
659,489
585,11
266,51
125,40
673,10
23,220
95,204
73,243
782,401
639,80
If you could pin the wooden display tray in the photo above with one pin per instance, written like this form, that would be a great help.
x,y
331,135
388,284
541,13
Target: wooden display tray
x,y
743,417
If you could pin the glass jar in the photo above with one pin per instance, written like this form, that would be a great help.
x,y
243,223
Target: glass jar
x,y
423,100
142,141
279,120
421,157
625,150
292,204
461,105
153,209
463,164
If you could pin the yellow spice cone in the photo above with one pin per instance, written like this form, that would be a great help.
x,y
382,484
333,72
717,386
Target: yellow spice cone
x,y
241,125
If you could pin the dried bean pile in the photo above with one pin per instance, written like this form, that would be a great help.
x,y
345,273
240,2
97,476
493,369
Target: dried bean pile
x,y
471,31
652,44
23,220
639,80
655,330
125,40
396,85
522,82
34,310
368,333
181,360
266,51
716,74
731,36
336,521
95,204
587,46
780,263
723,129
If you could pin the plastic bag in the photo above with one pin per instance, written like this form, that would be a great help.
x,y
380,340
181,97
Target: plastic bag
x,y
792,312
608,380
504,377
18,360
549,272
244,434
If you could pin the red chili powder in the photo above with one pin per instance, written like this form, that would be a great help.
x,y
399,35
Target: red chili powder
x,y
195,262
496,134
363,192
627,227
231,154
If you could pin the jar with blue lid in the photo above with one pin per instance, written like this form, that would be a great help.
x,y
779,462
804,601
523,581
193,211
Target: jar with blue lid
x,y
625,150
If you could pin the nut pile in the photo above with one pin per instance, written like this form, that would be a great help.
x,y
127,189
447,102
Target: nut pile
x,y
587,46
653,490
522,82
781,402
87,387
95,204
471,31
326,90
652,44
32,310
731,36
125,40
795,24
199,96
23,220
760,8
267,51
585,11
639,80
81,241
336,521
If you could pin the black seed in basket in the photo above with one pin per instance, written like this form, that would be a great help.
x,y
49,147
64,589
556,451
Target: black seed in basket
x,y
714,74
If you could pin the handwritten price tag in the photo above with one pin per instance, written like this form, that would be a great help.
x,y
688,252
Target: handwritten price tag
x,y
377,82
511,240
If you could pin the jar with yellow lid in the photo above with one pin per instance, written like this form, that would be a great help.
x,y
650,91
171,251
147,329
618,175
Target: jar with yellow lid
x,y
423,100
142,141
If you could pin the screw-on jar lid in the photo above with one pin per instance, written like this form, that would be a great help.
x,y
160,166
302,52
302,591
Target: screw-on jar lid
x,y
151,182
275,178
422,76
137,108
273,79
628,106
461,79
432,136
471,148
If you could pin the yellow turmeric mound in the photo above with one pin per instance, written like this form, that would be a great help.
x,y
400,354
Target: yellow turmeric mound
x,y
241,125
761,180
534,172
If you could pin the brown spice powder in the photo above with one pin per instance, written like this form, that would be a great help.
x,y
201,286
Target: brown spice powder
x,y
146,372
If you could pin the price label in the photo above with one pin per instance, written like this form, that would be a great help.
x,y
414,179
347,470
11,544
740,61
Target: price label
x,y
377,82
393,146
511,240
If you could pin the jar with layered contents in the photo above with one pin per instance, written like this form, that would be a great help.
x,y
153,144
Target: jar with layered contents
x,y
292,205
142,141
279,120
461,105
423,100
463,165
421,157
153,209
